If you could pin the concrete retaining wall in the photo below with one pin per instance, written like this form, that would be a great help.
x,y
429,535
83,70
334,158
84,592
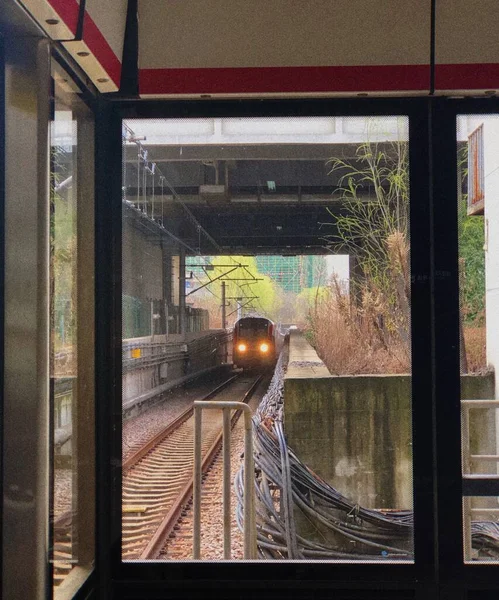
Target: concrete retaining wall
x,y
161,366
355,431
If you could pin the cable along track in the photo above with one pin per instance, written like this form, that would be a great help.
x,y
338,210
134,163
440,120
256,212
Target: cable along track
x,y
157,480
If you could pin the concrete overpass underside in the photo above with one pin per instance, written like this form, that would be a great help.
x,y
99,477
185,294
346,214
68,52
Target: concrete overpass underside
x,y
278,199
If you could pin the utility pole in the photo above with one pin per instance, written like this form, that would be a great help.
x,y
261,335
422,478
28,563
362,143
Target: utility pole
x,y
224,320
223,306
181,294
166,320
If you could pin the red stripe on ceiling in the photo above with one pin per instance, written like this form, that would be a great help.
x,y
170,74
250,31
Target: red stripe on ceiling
x,y
92,36
479,76
102,51
285,79
68,11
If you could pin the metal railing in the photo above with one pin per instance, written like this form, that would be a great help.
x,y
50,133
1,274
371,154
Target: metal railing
x,y
468,476
249,489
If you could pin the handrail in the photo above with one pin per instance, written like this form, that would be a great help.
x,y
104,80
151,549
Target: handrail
x,y
467,457
249,490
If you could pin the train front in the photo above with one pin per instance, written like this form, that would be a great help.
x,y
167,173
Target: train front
x,y
254,342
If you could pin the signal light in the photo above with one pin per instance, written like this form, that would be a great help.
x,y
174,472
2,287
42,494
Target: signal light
x,y
242,347
264,347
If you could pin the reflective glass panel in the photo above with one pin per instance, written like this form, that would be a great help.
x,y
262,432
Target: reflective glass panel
x,y
478,186
301,224
72,336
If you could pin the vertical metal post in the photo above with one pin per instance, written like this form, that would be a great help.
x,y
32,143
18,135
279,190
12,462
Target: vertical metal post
x,y
144,185
465,437
181,293
196,499
249,495
224,318
138,175
83,442
124,163
166,320
152,321
162,180
496,414
466,452
226,481
250,546
153,168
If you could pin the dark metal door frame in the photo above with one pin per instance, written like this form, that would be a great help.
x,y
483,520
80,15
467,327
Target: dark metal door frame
x,y
435,306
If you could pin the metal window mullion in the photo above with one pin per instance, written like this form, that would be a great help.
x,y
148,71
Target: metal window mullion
x,y
26,344
423,418
466,458
446,342
85,424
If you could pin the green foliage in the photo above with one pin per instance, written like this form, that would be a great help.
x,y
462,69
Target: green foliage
x,y
373,227
306,304
63,253
471,254
308,299
472,259
242,280
374,190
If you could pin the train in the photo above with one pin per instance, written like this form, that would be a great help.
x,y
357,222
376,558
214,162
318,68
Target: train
x,y
254,342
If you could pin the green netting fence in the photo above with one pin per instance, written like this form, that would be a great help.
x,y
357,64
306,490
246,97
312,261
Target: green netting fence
x,y
136,317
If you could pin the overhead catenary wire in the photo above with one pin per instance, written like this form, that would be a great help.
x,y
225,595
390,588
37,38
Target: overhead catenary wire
x,y
153,169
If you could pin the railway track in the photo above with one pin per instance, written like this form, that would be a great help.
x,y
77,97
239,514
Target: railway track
x,y
62,552
144,445
179,545
157,479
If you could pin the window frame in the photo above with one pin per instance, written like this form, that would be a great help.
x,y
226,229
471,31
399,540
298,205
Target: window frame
x,y
82,579
394,576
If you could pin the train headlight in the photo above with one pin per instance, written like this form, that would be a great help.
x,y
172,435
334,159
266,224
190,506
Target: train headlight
x,y
264,348
241,347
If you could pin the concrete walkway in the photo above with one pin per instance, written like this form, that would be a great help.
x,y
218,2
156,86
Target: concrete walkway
x,y
303,359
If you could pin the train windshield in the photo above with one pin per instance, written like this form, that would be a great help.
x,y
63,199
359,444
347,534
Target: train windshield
x,y
253,327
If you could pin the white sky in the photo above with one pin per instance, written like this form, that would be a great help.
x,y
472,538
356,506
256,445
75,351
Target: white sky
x,y
338,264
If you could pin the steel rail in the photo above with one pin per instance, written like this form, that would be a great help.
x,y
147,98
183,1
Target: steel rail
x,y
170,428
166,527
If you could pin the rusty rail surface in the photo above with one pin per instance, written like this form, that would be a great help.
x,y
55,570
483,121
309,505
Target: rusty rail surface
x,y
156,488
170,428
159,539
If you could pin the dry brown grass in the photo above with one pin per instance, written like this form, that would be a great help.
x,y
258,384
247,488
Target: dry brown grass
x,y
368,334
350,341
353,340
474,341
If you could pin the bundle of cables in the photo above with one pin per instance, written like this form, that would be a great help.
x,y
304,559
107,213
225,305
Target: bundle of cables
x,y
332,526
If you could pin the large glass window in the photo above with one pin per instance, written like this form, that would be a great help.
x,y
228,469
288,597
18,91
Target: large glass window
x,y
72,335
478,188
303,222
